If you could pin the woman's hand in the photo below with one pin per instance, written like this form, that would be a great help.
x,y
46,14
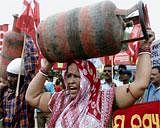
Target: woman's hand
x,y
151,36
45,64
147,43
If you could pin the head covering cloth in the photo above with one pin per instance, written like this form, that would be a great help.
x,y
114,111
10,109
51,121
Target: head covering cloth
x,y
90,101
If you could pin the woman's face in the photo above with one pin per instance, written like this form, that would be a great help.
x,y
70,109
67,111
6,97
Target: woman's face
x,y
73,80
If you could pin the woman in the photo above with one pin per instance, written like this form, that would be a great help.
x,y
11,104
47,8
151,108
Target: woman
x,y
83,104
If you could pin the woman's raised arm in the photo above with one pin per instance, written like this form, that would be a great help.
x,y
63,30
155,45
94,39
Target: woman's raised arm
x,y
127,94
35,95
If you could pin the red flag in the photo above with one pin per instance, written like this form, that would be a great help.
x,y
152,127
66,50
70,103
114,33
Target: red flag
x,y
29,19
25,2
106,60
134,34
36,13
26,21
133,46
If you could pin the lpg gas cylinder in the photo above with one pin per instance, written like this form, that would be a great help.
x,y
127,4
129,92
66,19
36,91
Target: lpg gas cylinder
x,y
81,33
85,32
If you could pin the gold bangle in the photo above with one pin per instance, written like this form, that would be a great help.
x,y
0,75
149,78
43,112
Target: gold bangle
x,y
129,91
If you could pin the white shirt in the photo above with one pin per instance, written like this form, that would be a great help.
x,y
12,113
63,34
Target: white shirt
x,y
105,85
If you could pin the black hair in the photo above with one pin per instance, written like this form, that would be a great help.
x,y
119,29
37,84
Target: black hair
x,y
122,66
156,67
107,65
129,73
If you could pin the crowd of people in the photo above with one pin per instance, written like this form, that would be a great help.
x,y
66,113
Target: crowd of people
x,y
76,98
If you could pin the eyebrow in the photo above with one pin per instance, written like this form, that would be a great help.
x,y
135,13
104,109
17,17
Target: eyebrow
x,y
107,70
68,73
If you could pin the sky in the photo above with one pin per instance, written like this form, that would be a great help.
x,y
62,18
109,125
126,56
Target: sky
x,y
50,7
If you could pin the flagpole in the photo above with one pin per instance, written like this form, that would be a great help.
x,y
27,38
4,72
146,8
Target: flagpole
x,y
19,75
23,25
112,63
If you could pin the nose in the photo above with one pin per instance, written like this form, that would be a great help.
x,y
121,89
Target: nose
x,y
71,79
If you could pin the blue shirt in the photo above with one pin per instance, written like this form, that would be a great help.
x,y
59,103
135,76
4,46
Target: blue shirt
x,y
152,93
49,87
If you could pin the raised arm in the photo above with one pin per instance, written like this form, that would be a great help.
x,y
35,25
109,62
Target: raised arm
x,y
126,95
35,95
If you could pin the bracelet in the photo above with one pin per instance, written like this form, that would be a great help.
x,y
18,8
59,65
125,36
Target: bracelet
x,y
144,49
129,91
144,53
43,73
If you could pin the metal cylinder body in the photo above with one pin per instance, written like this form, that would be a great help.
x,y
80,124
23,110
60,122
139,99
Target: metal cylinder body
x,y
12,48
82,33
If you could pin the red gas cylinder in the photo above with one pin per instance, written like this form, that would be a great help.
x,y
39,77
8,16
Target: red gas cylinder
x,y
82,33
12,48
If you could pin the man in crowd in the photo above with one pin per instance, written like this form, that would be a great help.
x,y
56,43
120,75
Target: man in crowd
x,y
124,76
17,113
3,87
121,67
107,81
152,93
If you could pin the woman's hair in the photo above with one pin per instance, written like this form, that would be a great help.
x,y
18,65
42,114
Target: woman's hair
x,y
68,64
